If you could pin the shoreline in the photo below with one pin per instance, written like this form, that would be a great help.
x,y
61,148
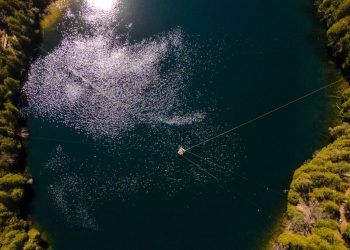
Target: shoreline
x,y
278,222
21,35
331,120
318,206
332,73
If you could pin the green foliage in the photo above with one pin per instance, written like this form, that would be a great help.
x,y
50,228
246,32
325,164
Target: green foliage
x,y
336,14
316,192
347,210
7,160
343,9
17,194
293,197
302,184
12,181
327,223
15,240
346,234
34,240
6,8
10,113
330,208
292,241
326,180
339,168
18,18
327,234
15,65
14,25
324,193
12,87
297,219
338,30
9,145
326,9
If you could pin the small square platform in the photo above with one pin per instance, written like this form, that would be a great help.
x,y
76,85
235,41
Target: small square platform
x,y
181,151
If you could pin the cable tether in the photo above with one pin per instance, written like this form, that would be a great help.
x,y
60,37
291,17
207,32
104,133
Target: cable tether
x,y
202,169
268,113
236,174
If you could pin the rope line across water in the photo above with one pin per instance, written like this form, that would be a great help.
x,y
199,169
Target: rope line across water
x,y
268,113
202,169
236,174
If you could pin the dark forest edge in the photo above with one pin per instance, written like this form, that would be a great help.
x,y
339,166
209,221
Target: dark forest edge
x,y
318,210
19,36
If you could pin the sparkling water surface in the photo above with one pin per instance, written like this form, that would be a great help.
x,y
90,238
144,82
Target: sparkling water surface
x,y
121,85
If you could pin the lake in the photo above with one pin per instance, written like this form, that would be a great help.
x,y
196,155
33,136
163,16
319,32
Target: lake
x,y
121,85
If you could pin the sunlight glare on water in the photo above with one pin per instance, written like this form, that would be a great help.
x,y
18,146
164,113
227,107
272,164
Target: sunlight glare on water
x,y
111,89
104,5
104,86
121,85
103,91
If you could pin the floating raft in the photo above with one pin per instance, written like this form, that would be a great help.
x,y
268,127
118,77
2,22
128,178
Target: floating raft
x,y
181,151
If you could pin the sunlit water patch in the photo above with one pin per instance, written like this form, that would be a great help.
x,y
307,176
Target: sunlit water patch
x,y
103,89
69,192
185,119
79,187
105,5
136,186
77,192
135,100
100,16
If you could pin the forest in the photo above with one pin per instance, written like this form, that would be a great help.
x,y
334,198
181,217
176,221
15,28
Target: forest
x,y
318,210
19,34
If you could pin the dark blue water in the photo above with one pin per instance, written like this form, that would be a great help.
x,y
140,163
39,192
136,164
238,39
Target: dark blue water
x,y
135,192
